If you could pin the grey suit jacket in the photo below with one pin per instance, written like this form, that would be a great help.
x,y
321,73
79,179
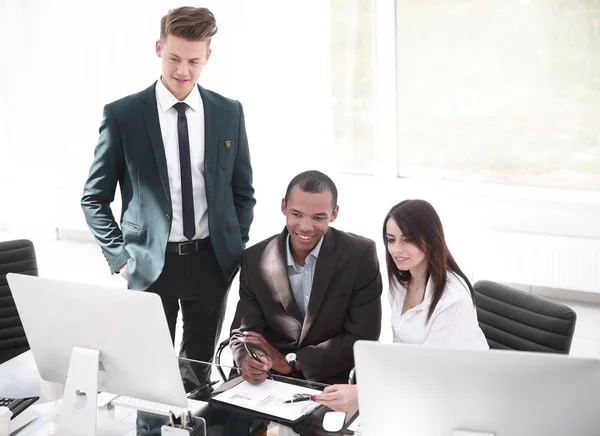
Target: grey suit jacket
x,y
344,306
130,152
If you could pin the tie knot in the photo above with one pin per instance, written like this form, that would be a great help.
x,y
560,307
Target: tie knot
x,y
180,107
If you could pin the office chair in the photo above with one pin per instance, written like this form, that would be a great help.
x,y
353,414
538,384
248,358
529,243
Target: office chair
x,y
16,256
220,349
517,320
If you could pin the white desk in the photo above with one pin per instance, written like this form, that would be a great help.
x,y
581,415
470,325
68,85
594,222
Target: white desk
x,y
19,377
118,421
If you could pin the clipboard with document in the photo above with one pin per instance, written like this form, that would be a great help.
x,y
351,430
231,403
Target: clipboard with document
x,y
269,399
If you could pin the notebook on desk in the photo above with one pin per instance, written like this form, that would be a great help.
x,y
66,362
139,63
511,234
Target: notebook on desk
x,y
268,399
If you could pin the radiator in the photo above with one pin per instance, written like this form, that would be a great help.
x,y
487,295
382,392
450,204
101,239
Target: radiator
x,y
561,262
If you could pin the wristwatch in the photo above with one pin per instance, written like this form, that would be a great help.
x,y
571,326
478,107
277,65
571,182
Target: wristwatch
x,y
290,358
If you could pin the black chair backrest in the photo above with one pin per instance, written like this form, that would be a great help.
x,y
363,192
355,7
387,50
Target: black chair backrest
x,y
17,257
516,320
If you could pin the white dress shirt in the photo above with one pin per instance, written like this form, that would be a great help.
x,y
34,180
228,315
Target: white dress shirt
x,y
453,322
167,115
301,277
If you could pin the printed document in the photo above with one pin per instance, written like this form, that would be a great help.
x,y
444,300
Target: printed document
x,y
268,398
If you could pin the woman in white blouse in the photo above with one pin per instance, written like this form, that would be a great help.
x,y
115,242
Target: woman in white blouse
x,y
431,298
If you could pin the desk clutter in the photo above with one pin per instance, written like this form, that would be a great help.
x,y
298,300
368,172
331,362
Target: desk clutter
x,y
184,424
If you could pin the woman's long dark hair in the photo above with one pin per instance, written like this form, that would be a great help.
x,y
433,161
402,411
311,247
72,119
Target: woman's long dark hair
x,y
421,225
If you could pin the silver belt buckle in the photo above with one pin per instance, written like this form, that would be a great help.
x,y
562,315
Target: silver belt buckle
x,y
186,244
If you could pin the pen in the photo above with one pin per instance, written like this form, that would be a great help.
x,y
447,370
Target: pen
x,y
252,353
297,400
203,387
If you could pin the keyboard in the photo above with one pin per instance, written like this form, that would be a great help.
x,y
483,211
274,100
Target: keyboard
x,y
194,406
17,405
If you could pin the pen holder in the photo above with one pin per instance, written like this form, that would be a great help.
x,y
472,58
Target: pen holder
x,y
194,427
199,426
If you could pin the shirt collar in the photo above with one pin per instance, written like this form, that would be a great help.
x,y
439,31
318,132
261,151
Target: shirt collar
x,y
166,100
314,252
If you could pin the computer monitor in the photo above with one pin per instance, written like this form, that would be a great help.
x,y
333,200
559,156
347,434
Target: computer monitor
x,y
425,391
128,328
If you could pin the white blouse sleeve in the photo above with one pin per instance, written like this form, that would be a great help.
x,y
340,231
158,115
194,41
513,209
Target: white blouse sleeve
x,y
453,326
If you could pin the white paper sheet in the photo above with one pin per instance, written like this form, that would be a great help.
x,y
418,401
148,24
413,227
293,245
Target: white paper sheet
x,y
268,398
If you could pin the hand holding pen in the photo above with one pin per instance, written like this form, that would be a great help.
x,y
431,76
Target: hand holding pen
x,y
255,369
254,355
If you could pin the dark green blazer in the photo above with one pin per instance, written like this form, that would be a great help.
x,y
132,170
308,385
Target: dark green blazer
x,y
130,152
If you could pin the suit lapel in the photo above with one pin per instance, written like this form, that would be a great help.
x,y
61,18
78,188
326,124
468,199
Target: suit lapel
x,y
323,272
211,120
150,111
274,268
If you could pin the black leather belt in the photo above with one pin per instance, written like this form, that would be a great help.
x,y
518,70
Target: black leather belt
x,y
191,247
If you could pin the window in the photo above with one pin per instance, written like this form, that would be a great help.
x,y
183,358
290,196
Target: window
x,y
499,91
352,77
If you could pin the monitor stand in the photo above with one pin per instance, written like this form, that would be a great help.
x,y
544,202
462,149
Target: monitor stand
x,y
78,411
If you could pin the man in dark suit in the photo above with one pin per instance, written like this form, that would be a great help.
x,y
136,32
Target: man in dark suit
x,y
180,155
307,294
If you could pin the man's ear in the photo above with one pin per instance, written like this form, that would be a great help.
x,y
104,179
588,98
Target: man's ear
x,y
283,206
334,214
207,55
158,48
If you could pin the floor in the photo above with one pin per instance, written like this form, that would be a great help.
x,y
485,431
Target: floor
x,y
82,261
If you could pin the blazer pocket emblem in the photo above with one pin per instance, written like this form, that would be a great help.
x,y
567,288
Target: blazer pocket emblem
x,y
227,143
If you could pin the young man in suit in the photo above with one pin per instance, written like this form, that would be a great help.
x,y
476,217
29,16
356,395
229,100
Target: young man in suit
x,y
180,155
307,294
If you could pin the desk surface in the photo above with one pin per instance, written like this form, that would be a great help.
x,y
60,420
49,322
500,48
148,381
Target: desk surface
x,y
19,377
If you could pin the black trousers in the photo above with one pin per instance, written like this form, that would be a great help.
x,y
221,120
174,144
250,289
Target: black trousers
x,y
195,283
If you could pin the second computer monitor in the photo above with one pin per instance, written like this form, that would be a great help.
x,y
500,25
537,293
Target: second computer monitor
x,y
424,391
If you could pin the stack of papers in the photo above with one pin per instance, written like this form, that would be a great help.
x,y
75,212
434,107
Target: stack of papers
x,y
268,398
